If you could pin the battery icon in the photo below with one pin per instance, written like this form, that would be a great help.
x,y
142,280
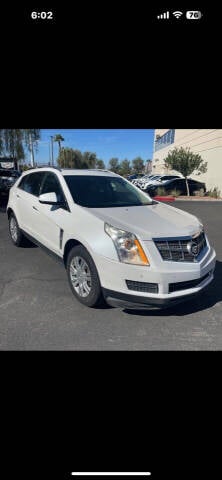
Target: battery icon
x,y
193,15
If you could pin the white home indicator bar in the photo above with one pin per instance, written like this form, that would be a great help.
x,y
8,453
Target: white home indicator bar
x,y
117,474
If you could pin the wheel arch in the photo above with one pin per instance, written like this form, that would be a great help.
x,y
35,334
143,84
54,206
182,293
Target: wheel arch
x,y
68,246
9,211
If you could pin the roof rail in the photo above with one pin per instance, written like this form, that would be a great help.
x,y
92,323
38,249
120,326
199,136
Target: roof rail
x,y
89,169
99,170
44,166
63,168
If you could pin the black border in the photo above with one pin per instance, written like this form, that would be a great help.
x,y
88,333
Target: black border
x,y
64,411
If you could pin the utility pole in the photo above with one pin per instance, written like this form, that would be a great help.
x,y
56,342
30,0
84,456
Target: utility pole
x,y
52,140
49,162
31,150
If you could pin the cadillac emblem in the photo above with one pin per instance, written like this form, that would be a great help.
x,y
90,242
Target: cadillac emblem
x,y
193,248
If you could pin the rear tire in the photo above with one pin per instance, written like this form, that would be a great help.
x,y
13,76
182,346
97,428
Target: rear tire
x,y
16,235
83,277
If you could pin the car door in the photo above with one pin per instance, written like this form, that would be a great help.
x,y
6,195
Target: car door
x,y
26,194
53,219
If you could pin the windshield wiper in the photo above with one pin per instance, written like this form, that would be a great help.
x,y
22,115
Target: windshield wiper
x,y
138,204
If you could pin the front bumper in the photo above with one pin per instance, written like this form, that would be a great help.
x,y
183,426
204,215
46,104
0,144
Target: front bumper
x,y
188,278
123,300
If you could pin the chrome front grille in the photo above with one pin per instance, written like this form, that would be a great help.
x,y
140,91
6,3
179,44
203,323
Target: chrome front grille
x,y
181,249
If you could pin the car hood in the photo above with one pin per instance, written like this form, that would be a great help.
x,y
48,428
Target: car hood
x,y
150,221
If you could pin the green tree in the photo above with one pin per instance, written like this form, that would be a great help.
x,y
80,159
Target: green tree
x,y
24,167
58,138
138,165
125,168
70,158
148,166
33,133
13,142
100,164
63,158
186,162
89,159
114,165
31,136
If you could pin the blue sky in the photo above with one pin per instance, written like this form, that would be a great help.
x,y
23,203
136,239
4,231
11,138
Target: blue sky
x,y
105,143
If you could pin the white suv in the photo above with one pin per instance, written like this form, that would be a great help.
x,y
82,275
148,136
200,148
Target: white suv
x,y
116,243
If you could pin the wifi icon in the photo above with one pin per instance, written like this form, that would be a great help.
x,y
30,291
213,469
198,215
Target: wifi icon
x,y
177,14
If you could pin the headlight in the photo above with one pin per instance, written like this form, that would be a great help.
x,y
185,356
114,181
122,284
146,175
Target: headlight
x,y
127,246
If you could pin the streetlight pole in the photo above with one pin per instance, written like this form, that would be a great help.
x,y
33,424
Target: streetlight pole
x,y
52,140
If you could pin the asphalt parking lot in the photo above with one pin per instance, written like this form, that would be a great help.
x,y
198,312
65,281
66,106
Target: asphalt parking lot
x,y
39,312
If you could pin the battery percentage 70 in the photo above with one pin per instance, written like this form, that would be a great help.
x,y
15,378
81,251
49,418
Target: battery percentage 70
x,y
193,15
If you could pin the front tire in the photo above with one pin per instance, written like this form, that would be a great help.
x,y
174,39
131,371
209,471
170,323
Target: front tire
x,y
16,235
83,277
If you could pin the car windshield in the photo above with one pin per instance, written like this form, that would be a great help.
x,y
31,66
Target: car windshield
x,y
104,192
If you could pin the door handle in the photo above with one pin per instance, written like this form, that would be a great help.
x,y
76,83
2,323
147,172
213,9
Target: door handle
x,y
18,196
34,208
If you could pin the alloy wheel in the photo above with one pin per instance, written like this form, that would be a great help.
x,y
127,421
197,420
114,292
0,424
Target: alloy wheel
x,y
80,276
14,229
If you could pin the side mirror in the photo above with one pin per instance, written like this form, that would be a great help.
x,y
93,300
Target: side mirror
x,y
50,199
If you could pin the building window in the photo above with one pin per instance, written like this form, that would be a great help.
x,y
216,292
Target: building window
x,y
166,140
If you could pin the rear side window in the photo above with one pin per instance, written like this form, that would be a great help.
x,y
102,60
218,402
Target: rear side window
x,y
31,183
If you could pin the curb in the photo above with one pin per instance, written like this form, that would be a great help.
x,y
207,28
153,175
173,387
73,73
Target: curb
x,y
198,199
164,199
186,199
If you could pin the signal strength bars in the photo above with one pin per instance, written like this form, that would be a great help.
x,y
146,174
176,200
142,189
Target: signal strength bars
x,y
164,15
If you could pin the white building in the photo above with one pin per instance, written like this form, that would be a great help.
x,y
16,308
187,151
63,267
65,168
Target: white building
x,y
208,143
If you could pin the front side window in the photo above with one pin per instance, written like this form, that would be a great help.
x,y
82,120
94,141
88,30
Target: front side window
x,y
31,183
104,192
51,184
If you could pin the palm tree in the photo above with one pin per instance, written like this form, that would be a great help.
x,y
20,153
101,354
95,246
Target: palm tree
x,y
59,138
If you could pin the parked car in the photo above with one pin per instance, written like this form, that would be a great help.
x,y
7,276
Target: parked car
x,y
137,179
164,178
146,179
158,180
179,185
7,179
134,177
115,242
